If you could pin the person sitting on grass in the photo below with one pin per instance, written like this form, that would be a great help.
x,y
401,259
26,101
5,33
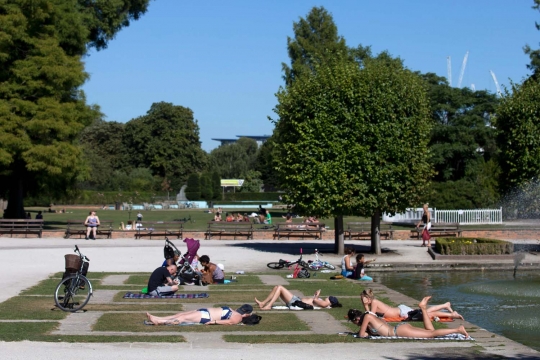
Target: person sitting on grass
x,y
371,325
161,282
208,316
359,273
402,311
211,273
279,292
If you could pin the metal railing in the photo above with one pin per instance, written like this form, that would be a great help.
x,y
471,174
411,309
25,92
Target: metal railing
x,y
463,217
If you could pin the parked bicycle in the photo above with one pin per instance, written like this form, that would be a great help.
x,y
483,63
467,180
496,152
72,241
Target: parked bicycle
x,y
75,290
319,264
300,269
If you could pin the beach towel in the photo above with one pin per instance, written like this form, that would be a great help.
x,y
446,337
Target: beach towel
x,y
452,337
399,319
130,295
295,308
146,322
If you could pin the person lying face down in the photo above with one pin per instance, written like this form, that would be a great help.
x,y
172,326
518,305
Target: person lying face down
x,y
208,316
279,292
371,325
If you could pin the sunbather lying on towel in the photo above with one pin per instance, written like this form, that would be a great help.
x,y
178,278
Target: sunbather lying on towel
x,y
371,325
289,299
402,311
211,316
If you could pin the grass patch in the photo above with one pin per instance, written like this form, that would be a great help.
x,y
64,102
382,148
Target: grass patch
x,y
134,307
138,279
134,323
215,297
30,308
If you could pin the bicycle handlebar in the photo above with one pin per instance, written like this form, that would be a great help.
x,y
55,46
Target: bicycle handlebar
x,y
81,255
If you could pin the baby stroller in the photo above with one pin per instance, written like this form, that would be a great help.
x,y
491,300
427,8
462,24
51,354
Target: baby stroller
x,y
186,273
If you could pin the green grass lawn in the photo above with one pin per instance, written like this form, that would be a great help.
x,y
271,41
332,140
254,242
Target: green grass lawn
x,y
127,315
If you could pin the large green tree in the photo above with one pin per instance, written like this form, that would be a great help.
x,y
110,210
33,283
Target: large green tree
x,y
42,109
166,140
316,40
233,161
518,125
353,141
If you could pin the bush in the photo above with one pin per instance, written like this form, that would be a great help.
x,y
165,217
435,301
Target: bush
x,y
90,197
473,246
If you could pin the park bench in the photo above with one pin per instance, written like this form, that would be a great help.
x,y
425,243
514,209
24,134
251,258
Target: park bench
x,y
233,228
438,229
362,230
289,230
21,226
77,227
160,228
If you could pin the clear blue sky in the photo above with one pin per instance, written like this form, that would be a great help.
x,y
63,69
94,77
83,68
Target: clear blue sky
x,y
223,59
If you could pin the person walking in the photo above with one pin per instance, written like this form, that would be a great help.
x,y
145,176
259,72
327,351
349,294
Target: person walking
x,y
426,221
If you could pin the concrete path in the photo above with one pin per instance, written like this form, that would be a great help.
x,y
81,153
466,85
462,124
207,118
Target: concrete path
x,y
145,255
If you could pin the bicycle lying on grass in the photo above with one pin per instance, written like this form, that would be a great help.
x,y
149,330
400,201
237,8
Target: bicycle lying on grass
x,y
75,290
318,264
300,270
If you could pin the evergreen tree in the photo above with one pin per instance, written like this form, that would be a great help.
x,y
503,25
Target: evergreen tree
x,y
193,190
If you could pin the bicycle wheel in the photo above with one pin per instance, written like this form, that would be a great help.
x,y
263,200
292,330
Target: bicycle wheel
x,y
72,293
314,266
330,266
276,265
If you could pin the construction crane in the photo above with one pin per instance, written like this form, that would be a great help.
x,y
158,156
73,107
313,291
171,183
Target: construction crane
x,y
462,72
449,70
499,93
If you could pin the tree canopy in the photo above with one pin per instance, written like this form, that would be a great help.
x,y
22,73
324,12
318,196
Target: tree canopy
x,y
233,161
166,140
42,109
353,141
534,54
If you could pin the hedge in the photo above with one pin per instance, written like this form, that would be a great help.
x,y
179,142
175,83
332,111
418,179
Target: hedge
x,y
473,246
258,196
90,197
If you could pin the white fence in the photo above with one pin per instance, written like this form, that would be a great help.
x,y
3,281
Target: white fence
x,y
463,217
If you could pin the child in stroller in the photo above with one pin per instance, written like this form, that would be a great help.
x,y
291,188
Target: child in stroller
x,y
187,264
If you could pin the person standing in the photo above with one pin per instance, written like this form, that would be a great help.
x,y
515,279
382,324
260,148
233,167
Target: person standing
x,y
139,217
426,220
92,223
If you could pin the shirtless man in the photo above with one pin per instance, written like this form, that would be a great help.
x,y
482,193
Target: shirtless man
x,y
279,292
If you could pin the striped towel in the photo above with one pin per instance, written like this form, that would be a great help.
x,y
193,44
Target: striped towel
x,y
130,295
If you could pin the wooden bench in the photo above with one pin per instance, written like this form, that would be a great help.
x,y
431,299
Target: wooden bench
x,y
438,229
225,228
289,230
160,228
21,226
362,230
77,227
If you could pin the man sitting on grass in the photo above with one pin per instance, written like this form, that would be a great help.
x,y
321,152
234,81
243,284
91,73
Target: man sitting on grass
x,y
161,283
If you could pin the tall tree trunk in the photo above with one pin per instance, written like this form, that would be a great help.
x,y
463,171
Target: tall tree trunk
x,y
339,247
375,235
15,208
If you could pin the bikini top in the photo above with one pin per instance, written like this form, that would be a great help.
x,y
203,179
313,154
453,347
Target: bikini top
x,y
226,312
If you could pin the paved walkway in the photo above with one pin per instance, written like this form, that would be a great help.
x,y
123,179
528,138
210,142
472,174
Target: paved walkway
x,y
144,255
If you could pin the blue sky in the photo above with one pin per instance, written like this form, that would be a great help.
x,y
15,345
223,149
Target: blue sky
x,y
223,59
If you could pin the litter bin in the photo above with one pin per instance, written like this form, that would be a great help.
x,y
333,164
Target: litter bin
x,y
117,206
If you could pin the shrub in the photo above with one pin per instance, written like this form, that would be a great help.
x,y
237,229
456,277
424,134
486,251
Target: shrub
x,y
473,246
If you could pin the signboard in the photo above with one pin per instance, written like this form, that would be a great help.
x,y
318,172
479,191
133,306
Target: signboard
x,y
232,182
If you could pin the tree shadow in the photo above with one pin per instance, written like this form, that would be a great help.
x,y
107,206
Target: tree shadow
x,y
463,353
308,248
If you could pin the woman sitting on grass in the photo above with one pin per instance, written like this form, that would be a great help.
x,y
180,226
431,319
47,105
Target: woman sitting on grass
x,y
212,316
371,325
402,311
289,299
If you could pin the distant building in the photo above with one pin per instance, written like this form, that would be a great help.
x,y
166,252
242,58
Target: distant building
x,y
260,139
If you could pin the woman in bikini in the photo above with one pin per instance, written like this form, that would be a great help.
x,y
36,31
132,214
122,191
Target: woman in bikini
x,y
211,316
383,310
287,297
371,325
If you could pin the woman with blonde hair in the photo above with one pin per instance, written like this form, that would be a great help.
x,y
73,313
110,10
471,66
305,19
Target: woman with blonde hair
x,y
426,220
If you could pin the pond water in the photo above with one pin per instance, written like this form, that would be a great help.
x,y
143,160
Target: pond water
x,y
492,299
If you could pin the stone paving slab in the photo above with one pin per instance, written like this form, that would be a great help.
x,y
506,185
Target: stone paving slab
x,y
115,280
321,322
78,323
103,296
273,280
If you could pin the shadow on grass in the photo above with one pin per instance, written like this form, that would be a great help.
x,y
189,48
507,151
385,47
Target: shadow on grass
x,y
308,248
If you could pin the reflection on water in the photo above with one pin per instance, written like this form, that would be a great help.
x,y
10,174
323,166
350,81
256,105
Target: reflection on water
x,y
492,300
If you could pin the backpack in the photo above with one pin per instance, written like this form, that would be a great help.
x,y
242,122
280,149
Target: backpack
x,y
252,319
303,274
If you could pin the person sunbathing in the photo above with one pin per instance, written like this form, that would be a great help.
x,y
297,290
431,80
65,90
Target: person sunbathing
x,y
209,316
402,311
371,325
279,292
